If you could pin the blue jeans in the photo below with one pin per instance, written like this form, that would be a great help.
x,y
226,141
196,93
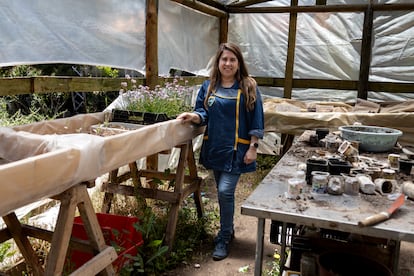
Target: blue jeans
x,y
226,186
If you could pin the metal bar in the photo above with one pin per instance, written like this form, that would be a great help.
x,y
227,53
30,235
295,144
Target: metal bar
x,y
259,247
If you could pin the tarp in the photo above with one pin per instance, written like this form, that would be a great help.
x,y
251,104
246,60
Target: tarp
x,y
294,117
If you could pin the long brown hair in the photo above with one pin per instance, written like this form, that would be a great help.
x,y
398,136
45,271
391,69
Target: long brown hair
x,y
246,83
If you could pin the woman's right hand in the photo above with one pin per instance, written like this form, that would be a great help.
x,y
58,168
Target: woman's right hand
x,y
189,117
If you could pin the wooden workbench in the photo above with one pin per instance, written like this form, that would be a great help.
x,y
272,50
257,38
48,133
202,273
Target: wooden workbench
x,y
324,211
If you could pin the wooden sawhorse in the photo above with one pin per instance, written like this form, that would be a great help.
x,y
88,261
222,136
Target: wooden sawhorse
x,y
75,197
184,186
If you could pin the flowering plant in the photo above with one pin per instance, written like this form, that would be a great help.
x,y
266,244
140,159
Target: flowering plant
x,y
171,99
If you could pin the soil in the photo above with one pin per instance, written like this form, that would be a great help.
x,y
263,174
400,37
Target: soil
x,y
241,260
242,249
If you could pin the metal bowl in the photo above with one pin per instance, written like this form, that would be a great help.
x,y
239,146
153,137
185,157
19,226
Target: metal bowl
x,y
371,138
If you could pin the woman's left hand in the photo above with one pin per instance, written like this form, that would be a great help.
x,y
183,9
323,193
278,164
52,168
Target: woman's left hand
x,y
250,156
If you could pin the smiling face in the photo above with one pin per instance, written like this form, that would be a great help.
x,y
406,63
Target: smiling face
x,y
228,65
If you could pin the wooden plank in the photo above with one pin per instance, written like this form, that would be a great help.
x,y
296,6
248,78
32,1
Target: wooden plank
x,y
214,4
247,3
391,87
201,7
22,85
97,263
164,176
108,197
5,235
144,192
23,243
63,230
321,8
197,181
46,235
175,207
48,84
95,236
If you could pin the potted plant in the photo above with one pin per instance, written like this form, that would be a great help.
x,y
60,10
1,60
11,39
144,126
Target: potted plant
x,y
142,105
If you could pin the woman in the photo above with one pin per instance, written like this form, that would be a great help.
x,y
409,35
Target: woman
x,y
230,106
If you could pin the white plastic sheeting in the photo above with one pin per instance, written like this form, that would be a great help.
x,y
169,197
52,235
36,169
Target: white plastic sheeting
x,y
47,158
112,33
92,32
103,32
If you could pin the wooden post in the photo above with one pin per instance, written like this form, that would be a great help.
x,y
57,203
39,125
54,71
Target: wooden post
x,y
290,60
151,43
151,57
366,49
224,29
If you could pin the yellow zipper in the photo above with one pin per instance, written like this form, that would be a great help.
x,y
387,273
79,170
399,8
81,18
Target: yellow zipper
x,y
237,119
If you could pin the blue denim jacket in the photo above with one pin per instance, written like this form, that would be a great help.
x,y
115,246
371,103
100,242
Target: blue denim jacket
x,y
228,128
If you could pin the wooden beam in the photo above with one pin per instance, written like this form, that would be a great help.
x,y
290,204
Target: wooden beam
x,y
391,87
224,29
151,43
290,60
366,49
325,84
196,5
298,9
321,8
247,3
15,86
48,84
214,4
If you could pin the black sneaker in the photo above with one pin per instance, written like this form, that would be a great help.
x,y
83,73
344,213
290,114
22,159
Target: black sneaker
x,y
221,250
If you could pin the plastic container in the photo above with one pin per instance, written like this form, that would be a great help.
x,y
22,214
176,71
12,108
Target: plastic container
x,y
312,164
337,166
321,132
118,231
405,166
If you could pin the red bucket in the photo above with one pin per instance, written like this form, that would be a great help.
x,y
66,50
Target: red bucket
x,y
117,230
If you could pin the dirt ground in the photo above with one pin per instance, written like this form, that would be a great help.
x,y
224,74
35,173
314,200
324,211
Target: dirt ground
x,y
242,249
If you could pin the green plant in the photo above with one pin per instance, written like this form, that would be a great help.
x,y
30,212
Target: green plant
x,y
155,258
5,251
19,118
151,256
274,265
108,71
50,106
172,99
